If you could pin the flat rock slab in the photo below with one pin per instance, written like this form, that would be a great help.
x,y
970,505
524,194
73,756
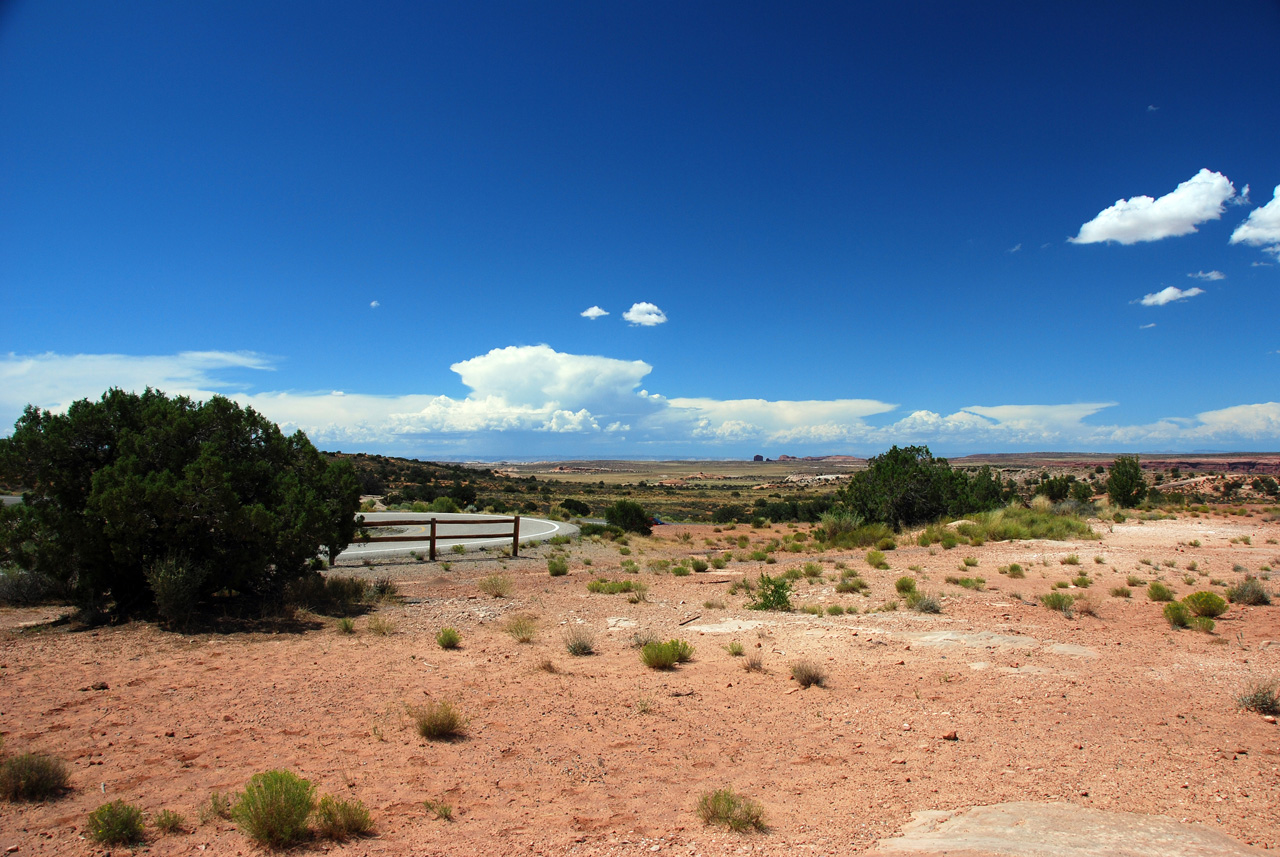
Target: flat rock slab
x,y
976,639
1029,829
728,626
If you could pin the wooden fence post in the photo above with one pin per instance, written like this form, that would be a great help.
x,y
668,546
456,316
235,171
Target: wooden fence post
x,y
433,539
515,536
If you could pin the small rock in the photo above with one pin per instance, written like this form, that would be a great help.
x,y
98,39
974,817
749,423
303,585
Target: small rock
x,y
898,761
1270,718
951,736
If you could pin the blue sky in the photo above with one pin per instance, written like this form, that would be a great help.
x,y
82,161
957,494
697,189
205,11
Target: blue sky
x,y
815,227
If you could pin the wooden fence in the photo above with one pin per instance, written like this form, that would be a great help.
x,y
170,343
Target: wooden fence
x,y
513,533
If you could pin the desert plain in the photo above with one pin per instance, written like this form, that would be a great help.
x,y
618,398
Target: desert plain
x,y
997,699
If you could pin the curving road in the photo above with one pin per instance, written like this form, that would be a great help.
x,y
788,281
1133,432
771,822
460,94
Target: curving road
x,y
531,530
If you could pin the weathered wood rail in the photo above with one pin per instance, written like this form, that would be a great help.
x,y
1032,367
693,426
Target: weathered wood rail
x,y
513,533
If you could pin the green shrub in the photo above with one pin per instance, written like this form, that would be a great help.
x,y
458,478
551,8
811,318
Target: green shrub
x,y
274,808
1083,581
346,625
835,610
905,585
557,566
699,566
579,641
808,673
438,720
812,570
218,806
1205,604
340,820
1177,615
875,559
886,544
735,649
723,806
1157,591
1121,591
630,516
852,584
772,593
380,626
1059,601
449,638
176,584
664,656
1250,591
1070,559
970,562
601,586
1134,580
441,810
1016,572
168,821
974,583
33,777
116,823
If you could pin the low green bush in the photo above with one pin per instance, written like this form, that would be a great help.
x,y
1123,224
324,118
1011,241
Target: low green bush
x,y
1177,615
1157,591
905,585
723,806
116,823
1249,592
772,593
1059,601
1205,604
664,656
557,566
274,808
448,638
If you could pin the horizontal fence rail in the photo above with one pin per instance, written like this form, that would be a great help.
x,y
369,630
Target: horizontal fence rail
x,y
434,536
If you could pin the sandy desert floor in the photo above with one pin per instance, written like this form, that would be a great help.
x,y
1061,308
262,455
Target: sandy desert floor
x,y
996,699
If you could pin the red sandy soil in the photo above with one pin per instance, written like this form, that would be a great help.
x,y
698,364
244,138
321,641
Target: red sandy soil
x,y
1112,712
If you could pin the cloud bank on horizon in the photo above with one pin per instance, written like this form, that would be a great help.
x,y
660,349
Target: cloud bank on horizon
x,y
570,401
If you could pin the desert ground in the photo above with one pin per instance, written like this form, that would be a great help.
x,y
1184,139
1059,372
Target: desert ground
x,y
996,699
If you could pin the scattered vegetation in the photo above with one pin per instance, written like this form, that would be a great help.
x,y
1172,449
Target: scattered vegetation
x,y
772,593
1205,604
1157,591
557,566
522,628
448,638
1177,614
1250,592
168,821
1059,601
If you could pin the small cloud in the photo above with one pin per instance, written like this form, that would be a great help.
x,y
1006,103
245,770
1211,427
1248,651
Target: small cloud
x,y
645,314
1208,275
1015,248
1261,265
1146,326
1128,221
1169,295
1262,227
1243,198
374,304
593,313
1151,108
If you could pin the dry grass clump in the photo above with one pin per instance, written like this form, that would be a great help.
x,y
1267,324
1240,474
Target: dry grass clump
x,y
1262,697
438,720
341,820
579,641
754,663
522,628
33,777
724,806
495,585
808,673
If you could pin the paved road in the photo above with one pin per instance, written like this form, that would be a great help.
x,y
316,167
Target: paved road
x,y
531,530
10,500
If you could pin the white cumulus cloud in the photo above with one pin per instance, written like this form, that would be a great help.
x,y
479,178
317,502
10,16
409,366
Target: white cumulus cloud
x,y
593,312
1262,227
1208,275
375,304
1197,200
1169,295
645,314
1146,326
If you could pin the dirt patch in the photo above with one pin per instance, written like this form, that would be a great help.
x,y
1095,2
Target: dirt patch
x,y
995,700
